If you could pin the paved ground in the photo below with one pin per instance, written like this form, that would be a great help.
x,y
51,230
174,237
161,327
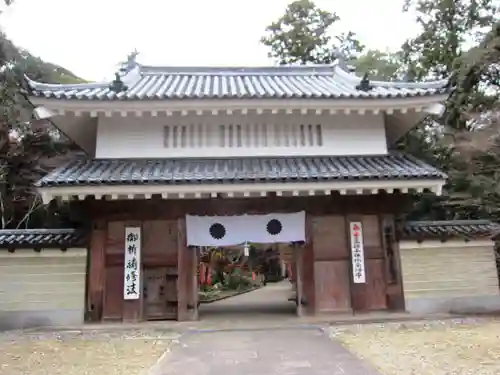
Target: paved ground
x,y
285,352
270,302
233,350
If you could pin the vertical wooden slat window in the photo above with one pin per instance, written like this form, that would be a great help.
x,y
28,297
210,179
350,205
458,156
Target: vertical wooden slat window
x,y
166,136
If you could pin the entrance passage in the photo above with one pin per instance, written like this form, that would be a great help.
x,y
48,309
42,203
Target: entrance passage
x,y
269,300
247,281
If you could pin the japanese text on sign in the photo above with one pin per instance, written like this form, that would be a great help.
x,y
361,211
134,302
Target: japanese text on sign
x,y
357,253
131,283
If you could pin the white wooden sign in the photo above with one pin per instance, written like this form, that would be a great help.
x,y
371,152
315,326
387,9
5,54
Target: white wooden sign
x,y
132,271
357,253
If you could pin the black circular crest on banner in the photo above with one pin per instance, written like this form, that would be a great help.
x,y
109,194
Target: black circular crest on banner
x,y
217,231
274,227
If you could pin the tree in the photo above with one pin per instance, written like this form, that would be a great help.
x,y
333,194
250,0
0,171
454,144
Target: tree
x,y
301,36
475,72
37,69
448,26
477,148
448,29
27,147
379,65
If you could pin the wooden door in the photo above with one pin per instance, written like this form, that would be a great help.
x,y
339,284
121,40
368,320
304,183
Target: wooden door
x,y
371,295
331,264
113,293
160,293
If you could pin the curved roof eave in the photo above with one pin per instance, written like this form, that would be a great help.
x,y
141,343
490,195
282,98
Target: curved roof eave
x,y
437,84
294,82
40,86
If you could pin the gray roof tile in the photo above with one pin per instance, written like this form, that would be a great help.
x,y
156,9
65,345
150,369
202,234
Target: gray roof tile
x,y
286,82
239,170
449,229
42,238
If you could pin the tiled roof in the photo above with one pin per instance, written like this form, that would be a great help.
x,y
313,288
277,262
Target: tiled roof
x,y
42,238
448,229
240,170
285,82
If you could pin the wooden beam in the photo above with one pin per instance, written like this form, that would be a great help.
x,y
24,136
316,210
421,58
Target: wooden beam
x,y
182,271
96,271
308,268
298,251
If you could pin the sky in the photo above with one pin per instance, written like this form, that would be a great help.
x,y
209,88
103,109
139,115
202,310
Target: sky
x,y
90,37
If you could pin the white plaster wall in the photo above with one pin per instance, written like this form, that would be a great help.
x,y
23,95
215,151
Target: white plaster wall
x,y
452,276
259,135
42,289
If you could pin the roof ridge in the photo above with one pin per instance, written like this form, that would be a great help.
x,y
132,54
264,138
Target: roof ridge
x,y
238,70
41,238
449,222
40,230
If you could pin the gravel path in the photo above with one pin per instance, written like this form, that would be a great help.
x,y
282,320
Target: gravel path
x,y
459,347
77,353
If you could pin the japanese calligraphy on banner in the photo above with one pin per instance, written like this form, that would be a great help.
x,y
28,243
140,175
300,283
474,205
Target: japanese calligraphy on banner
x,y
357,253
131,283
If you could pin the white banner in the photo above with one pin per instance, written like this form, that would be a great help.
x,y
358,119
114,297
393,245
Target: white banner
x,y
357,253
213,230
132,262
274,228
236,230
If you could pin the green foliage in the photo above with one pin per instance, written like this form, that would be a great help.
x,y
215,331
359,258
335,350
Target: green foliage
x,y
379,65
301,36
449,29
39,70
473,109
457,40
448,26
237,281
26,146
476,79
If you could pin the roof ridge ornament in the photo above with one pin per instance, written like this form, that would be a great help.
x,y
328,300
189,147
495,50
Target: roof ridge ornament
x,y
130,63
364,84
117,85
341,59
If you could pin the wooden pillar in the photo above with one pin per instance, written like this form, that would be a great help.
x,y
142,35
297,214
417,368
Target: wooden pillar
x,y
96,271
191,262
298,255
187,282
395,292
308,269
133,308
182,271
